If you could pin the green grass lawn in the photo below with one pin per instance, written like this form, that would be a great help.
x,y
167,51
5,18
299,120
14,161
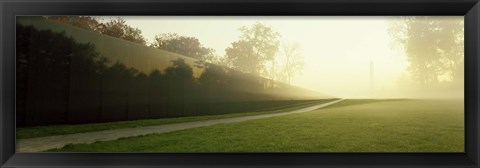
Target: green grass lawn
x,y
41,131
349,126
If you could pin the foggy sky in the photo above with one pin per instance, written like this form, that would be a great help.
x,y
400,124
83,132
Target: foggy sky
x,y
337,50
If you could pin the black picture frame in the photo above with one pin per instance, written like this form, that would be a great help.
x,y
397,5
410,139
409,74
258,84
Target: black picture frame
x,y
468,8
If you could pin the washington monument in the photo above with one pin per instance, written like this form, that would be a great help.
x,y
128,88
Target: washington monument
x,y
372,78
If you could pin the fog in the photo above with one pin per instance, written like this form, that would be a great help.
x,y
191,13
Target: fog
x,y
348,57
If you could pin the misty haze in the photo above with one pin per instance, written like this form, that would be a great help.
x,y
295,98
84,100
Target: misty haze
x,y
240,84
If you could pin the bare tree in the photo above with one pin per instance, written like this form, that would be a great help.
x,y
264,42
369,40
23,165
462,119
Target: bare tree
x,y
293,60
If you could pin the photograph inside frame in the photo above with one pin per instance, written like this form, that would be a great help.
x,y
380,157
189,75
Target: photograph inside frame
x,y
240,84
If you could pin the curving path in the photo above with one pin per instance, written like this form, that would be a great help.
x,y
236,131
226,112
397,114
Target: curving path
x,y
44,143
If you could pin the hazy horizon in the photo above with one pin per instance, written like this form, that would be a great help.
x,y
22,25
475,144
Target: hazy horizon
x,y
337,51
239,84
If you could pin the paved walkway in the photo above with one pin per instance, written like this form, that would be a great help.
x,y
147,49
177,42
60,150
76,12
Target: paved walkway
x,y
58,141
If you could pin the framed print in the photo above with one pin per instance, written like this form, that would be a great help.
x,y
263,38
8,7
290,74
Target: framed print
x,y
240,83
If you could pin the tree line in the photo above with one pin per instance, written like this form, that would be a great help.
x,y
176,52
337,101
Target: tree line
x,y
61,81
256,52
434,47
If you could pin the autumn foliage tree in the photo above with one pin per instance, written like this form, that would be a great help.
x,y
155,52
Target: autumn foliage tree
x,y
183,45
85,22
118,28
115,28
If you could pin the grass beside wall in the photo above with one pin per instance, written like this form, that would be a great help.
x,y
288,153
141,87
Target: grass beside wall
x,y
41,131
377,126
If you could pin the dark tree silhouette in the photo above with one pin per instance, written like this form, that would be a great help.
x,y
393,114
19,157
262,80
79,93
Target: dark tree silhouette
x,y
62,81
157,94
45,60
115,98
180,84
139,96
213,83
87,66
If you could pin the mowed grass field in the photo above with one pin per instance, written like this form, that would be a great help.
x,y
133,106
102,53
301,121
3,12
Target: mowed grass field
x,y
51,130
348,126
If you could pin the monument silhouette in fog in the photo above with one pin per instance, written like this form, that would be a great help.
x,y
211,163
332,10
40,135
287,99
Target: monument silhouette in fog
x,y
372,78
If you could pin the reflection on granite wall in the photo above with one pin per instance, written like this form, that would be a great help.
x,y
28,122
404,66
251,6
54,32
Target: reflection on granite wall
x,y
67,75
